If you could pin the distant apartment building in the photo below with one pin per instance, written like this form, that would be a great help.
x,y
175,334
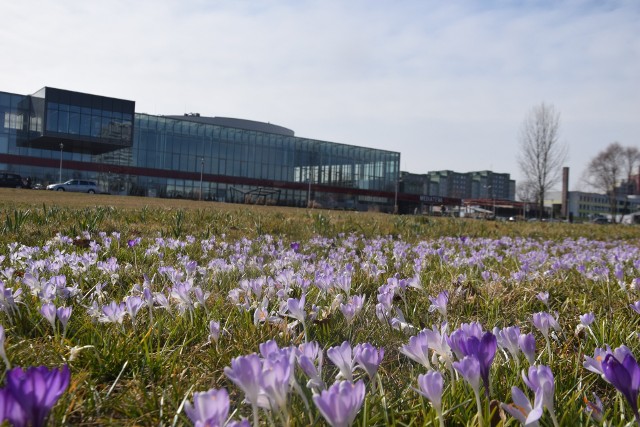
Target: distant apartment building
x,y
462,185
584,205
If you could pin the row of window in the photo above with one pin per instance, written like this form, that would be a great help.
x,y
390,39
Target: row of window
x,y
93,123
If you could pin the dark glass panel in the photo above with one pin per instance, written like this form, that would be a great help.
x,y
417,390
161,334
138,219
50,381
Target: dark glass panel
x,y
85,124
63,121
52,120
74,123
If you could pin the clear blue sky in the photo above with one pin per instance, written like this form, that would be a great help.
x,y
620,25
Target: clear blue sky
x,y
446,83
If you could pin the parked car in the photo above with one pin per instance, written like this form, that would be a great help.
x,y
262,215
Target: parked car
x,y
75,185
11,180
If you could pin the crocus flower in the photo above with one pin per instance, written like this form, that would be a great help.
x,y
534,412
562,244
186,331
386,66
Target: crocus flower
x,y
543,297
635,306
625,377
295,307
459,337
10,409
527,343
310,361
48,311
245,372
594,409
507,339
431,388
3,353
543,321
484,350
521,408
418,349
469,368
64,313
113,313
341,356
352,307
540,380
594,364
209,409
437,341
340,404
274,381
439,303
37,389
587,319
214,331
368,358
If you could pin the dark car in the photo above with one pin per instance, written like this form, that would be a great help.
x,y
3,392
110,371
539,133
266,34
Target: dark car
x,y
11,180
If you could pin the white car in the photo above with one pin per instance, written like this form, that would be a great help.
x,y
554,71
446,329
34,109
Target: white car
x,y
75,185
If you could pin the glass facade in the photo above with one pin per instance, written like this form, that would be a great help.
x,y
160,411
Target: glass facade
x,y
127,153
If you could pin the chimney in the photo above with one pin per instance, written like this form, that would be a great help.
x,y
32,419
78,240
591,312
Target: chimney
x,y
565,192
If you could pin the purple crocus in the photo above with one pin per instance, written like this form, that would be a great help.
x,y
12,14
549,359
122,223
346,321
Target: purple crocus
x,y
245,372
36,390
310,360
133,304
587,319
543,297
48,311
113,313
10,409
418,349
295,307
340,404
521,408
594,409
543,321
431,388
507,339
209,409
469,368
368,358
439,303
274,380
352,307
484,350
625,377
540,380
342,357
635,306
527,343
214,331
3,353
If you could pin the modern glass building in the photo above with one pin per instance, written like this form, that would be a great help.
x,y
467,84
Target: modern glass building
x,y
55,135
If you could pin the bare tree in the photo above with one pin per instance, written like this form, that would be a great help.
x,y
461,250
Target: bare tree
x,y
541,153
631,159
526,193
607,171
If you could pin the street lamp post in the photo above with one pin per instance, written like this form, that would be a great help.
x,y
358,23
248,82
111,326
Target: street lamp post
x,y
395,199
309,192
201,173
60,173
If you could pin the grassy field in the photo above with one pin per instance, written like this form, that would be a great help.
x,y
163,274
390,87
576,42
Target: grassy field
x,y
145,278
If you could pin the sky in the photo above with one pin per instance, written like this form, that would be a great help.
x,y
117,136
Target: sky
x,y
446,83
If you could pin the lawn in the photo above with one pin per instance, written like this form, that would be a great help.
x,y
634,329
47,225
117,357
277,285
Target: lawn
x,y
297,317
